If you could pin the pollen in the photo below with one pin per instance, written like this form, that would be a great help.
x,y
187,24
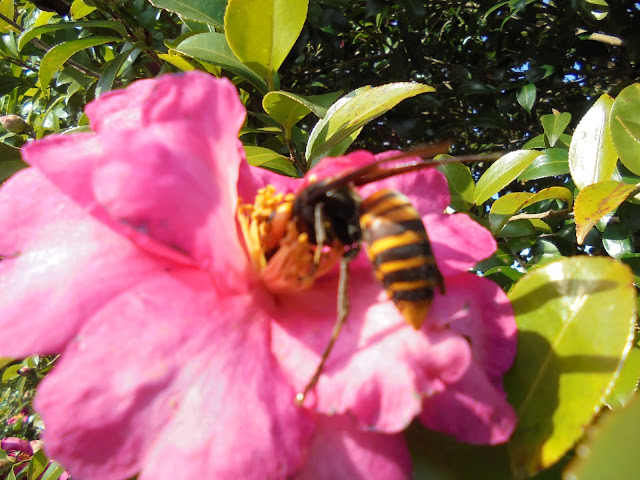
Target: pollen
x,y
285,258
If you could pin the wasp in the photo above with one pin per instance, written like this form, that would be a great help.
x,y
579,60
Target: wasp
x,y
336,222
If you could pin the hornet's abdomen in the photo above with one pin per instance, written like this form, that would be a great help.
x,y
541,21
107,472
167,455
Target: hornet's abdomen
x,y
398,246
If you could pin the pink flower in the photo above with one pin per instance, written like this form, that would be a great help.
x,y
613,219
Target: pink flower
x,y
122,249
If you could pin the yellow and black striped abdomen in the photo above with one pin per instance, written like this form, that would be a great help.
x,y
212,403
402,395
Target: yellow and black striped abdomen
x,y
399,249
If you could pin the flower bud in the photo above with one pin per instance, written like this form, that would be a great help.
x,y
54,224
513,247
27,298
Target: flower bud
x,y
13,444
14,124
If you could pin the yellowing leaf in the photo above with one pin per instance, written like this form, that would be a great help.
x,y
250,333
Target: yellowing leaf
x,y
592,157
596,201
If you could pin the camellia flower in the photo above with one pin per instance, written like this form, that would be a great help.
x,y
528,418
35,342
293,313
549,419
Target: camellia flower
x,y
132,252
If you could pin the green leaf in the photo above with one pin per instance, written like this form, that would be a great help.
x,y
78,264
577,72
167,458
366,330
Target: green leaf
x,y
535,142
552,162
79,9
554,125
506,206
627,382
212,47
7,9
286,108
617,241
526,96
265,158
575,322
502,172
595,201
625,126
610,448
352,112
53,472
592,157
261,34
111,69
204,11
55,58
461,184
37,465
32,33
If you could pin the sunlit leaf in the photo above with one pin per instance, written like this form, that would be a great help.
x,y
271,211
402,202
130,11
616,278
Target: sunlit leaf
x,y
204,11
32,33
502,172
609,451
286,108
37,465
265,158
554,125
596,201
625,126
354,111
79,9
461,184
592,157
627,382
212,47
7,9
55,58
576,319
261,35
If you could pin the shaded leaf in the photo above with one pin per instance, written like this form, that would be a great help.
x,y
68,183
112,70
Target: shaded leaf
x,y
596,201
212,47
526,96
554,125
625,126
552,162
592,157
617,241
262,36
461,184
575,322
204,11
502,172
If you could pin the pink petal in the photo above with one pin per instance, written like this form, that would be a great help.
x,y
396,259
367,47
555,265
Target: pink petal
x,y
15,444
171,381
340,450
478,309
59,267
379,366
458,242
472,410
169,179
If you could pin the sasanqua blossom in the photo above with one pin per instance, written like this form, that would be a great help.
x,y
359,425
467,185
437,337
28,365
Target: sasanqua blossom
x,y
122,250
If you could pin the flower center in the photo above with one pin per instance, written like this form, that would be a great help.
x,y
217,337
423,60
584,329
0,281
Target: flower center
x,y
284,256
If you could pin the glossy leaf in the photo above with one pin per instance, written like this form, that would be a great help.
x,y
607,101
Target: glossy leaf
x,y
262,34
554,125
526,96
502,172
592,157
110,71
609,451
461,184
354,111
37,465
576,319
625,126
54,59
552,162
627,382
507,206
32,33
212,47
7,9
596,201
204,11
263,157
286,108
617,240
79,9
